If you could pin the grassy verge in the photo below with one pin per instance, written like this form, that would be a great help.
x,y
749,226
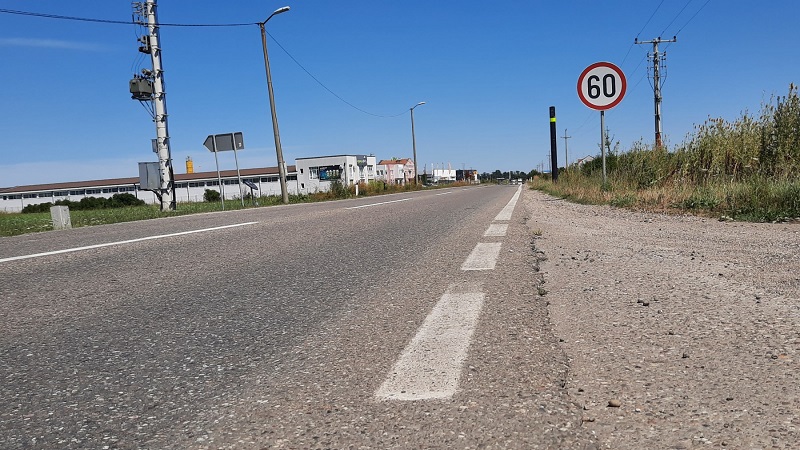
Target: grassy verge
x,y
748,169
12,224
754,200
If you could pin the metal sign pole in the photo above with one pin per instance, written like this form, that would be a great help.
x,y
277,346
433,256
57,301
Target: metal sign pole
x,y
221,143
219,178
238,174
603,143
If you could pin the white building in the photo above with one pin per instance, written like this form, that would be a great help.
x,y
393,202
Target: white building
x,y
316,174
443,176
188,187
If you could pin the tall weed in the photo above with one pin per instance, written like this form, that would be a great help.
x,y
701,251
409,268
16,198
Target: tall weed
x,y
748,168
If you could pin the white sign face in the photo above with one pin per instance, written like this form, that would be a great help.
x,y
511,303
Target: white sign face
x,y
601,86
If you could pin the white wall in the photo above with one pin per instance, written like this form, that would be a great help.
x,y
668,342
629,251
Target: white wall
x,y
185,191
308,180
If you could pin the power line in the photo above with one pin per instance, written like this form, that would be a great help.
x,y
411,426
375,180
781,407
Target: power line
x,y
688,21
134,22
586,120
651,18
640,31
326,87
676,17
692,18
120,22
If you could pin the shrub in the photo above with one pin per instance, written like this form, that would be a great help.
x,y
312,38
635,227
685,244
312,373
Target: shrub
x,y
338,190
89,203
211,195
39,208
125,199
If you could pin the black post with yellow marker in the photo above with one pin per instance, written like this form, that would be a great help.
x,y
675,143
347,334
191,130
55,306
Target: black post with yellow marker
x,y
553,145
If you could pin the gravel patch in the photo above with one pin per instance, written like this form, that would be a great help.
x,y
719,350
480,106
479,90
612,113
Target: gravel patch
x,y
681,332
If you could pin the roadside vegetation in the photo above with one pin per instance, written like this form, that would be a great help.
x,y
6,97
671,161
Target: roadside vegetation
x,y
748,169
87,203
121,208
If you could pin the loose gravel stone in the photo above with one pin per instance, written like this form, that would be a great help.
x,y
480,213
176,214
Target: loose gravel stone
x,y
716,367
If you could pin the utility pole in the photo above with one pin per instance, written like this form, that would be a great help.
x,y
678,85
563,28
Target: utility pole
x,y
657,59
566,150
151,46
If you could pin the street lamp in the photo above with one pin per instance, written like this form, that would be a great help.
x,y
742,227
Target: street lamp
x,y
278,149
414,142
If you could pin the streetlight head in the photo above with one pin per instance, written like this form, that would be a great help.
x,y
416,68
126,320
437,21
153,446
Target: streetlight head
x,y
420,103
277,11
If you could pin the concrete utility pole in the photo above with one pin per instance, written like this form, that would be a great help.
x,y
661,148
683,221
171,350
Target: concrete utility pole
x,y
414,143
657,61
275,132
151,46
566,150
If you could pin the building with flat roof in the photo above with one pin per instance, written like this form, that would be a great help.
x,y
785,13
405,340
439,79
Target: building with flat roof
x,y
188,187
315,174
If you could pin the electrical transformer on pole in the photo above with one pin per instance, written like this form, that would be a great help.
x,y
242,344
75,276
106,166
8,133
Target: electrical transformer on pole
x,y
153,81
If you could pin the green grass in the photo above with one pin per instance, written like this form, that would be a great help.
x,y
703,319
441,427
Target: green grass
x,y
12,224
748,169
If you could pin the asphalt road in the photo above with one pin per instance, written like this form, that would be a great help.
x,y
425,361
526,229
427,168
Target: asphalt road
x,y
275,328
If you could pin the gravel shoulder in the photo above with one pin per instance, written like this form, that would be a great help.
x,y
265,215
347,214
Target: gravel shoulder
x,y
690,325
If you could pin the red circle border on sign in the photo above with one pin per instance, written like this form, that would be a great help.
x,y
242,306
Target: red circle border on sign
x,y
613,67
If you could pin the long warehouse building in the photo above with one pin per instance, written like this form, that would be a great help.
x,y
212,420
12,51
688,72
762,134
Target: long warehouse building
x,y
309,175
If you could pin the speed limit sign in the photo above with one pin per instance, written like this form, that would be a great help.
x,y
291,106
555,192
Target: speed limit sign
x,y
601,86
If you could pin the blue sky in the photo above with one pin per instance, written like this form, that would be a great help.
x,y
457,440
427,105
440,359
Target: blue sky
x,y
488,71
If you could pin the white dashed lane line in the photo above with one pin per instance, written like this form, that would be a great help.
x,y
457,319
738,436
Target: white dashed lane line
x,y
483,257
496,230
505,214
430,365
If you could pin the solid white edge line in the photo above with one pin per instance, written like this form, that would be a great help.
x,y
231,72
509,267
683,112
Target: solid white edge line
x,y
109,244
381,203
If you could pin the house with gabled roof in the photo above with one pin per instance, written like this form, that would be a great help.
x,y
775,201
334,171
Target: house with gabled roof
x,y
396,171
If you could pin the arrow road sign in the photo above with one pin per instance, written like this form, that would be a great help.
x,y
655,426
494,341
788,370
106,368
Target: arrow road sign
x,y
601,86
224,142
